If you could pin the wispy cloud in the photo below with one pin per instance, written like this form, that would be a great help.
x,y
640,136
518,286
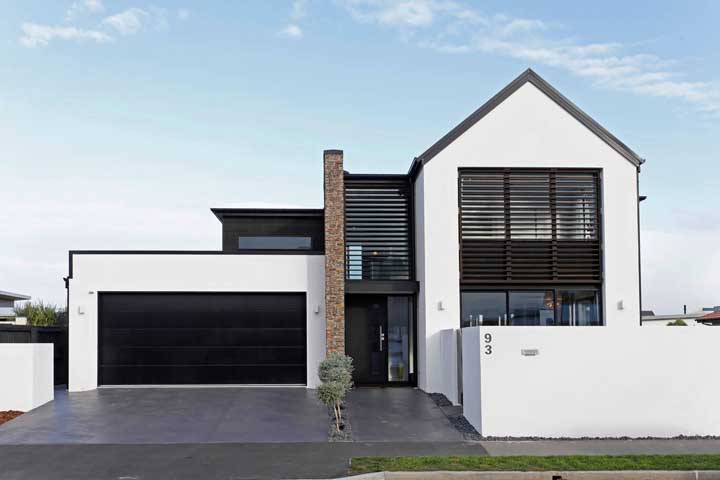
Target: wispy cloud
x,y
298,11
35,35
291,31
128,22
81,7
449,26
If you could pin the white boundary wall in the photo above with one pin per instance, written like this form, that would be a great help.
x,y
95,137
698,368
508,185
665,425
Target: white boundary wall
x,y
97,273
592,381
26,375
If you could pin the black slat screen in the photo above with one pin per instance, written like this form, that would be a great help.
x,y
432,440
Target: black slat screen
x,y
378,228
530,226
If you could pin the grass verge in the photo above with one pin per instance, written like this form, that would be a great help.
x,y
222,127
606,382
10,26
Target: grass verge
x,y
527,463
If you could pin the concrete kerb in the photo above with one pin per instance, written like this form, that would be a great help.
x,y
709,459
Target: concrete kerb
x,y
580,475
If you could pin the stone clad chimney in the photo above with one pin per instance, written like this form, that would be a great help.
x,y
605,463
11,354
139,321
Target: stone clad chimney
x,y
334,189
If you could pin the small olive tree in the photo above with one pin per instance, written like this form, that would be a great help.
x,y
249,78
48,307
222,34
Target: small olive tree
x,y
677,323
335,373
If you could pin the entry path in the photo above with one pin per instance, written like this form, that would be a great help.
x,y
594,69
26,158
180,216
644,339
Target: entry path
x,y
398,415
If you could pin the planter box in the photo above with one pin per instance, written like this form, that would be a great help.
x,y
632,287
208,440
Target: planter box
x,y
26,378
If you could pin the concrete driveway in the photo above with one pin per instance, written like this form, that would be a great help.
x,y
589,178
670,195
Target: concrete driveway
x,y
173,415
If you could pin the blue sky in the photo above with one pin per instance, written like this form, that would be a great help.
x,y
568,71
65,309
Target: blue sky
x,y
122,122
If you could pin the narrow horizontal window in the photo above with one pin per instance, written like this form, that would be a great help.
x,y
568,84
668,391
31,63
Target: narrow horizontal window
x,y
532,307
274,243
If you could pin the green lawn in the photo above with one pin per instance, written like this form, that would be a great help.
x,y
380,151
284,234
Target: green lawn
x,y
524,464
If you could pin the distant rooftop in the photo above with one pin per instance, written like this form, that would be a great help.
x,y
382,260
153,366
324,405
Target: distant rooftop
x,y
710,316
13,296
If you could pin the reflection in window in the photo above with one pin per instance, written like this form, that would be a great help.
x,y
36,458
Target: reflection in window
x,y
532,308
578,307
277,242
483,308
398,341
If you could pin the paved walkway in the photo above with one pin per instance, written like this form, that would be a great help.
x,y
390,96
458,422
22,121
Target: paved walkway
x,y
396,415
280,460
205,461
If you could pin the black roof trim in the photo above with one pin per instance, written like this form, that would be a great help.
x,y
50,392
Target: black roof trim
x,y
377,176
222,213
527,76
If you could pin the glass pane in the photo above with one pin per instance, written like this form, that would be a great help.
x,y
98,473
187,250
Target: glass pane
x,y
532,308
274,243
578,307
530,217
483,308
576,208
398,340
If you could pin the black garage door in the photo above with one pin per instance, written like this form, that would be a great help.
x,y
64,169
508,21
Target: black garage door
x,y
201,338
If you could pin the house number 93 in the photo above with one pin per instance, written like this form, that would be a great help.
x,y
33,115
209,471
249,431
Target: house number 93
x,y
488,343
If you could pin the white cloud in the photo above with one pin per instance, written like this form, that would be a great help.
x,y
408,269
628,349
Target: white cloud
x,y
448,26
81,7
183,13
299,9
36,35
128,22
291,31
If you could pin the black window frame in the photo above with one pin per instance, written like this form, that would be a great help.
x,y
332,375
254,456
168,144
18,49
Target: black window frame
x,y
379,216
309,238
539,262
537,288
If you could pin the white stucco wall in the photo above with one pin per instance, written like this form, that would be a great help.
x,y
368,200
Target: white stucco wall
x,y
26,375
95,273
527,130
592,381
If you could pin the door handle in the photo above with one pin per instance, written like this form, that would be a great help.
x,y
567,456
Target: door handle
x,y
382,338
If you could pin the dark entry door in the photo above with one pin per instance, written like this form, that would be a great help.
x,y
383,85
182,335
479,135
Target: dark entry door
x,y
366,337
202,338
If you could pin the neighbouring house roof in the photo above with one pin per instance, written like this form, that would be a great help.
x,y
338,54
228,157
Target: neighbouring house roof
x,y
714,316
527,76
13,296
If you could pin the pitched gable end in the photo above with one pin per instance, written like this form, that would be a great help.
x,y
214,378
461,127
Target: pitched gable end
x,y
527,76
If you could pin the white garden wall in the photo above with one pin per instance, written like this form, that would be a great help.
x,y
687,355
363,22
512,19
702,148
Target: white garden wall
x,y
527,130
95,273
591,381
26,376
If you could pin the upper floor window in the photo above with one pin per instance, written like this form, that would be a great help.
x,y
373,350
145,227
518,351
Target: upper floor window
x,y
276,242
378,227
530,225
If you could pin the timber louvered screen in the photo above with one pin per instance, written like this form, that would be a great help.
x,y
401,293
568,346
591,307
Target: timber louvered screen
x,y
530,226
378,227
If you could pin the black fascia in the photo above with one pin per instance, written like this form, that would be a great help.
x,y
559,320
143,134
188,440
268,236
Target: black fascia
x,y
528,76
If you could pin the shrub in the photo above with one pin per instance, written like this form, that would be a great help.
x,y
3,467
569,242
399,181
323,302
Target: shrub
x,y
677,323
38,313
335,373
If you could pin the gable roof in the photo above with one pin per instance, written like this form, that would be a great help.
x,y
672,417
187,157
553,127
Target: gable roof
x,y
527,76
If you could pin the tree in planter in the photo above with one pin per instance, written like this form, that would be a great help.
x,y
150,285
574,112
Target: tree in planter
x,y
335,373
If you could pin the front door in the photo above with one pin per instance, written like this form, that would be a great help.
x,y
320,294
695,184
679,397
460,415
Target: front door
x,y
378,336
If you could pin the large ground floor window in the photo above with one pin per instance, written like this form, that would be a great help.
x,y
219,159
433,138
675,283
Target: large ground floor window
x,y
579,306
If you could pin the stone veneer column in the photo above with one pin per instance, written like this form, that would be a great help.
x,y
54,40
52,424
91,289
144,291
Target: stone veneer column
x,y
334,188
